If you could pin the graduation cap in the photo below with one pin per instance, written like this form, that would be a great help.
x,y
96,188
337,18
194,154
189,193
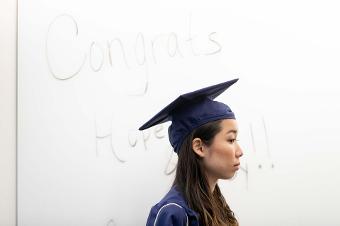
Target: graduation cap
x,y
191,110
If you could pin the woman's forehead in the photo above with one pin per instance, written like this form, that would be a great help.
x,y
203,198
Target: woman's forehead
x,y
229,125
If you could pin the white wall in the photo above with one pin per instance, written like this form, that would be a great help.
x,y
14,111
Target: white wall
x,y
8,22
293,58
80,157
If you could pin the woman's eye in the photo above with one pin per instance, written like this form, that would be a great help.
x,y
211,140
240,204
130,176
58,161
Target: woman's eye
x,y
232,140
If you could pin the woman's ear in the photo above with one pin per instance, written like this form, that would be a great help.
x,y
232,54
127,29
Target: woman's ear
x,y
197,147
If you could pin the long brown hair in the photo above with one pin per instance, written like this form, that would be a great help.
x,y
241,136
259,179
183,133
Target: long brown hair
x,y
190,178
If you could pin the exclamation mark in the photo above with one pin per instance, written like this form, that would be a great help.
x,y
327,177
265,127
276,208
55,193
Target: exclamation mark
x,y
267,140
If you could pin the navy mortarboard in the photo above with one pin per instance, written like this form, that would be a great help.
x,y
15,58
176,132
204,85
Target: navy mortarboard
x,y
191,110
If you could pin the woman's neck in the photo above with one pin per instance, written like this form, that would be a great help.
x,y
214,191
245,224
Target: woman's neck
x,y
212,183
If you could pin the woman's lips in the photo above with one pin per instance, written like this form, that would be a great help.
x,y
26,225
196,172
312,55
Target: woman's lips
x,y
237,166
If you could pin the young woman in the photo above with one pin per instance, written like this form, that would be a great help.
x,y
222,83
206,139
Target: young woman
x,y
203,133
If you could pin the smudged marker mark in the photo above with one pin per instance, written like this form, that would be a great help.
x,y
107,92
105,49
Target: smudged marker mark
x,y
177,50
267,140
253,141
252,137
94,44
190,39
111,222
108,136
109,45
145,138
140,36
158,130
50,67
247,175
168,170
266,136
132,140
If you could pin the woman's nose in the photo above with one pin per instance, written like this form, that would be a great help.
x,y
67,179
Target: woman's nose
x,y
239,152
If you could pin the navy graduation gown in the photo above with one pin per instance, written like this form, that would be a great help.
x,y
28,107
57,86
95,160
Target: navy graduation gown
x,y
172,210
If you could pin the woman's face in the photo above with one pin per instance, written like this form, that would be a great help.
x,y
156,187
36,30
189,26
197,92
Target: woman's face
x,y
222,158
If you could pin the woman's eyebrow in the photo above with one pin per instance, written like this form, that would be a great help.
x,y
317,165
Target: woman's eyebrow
x,y
232,131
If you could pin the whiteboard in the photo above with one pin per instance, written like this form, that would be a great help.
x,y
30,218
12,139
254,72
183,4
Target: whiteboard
x,y
90,73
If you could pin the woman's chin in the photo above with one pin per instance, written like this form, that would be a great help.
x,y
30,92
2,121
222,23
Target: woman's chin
x,y
228,176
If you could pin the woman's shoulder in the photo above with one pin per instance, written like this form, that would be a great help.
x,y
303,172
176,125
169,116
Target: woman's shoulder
x,y
167,214
171,210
